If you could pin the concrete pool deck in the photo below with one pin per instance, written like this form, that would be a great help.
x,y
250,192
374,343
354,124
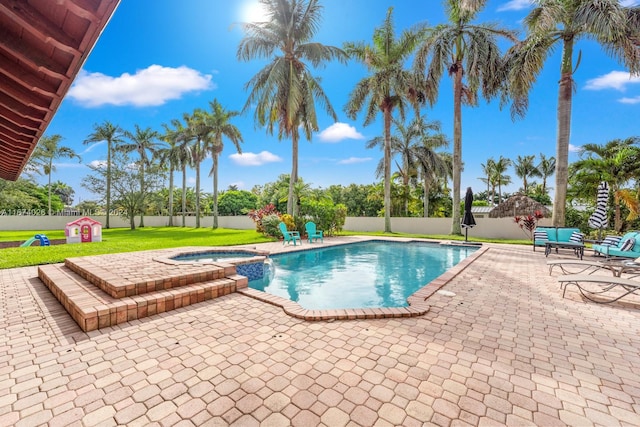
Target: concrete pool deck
x,y
506,349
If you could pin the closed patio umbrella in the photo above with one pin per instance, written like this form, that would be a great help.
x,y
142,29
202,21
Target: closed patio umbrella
x,y
468,221
599,218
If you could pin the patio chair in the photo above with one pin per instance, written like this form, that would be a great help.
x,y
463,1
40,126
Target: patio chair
x,y
604,284
289,236
312,233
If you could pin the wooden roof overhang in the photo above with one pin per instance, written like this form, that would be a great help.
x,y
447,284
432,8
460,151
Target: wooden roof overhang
x,y
43,45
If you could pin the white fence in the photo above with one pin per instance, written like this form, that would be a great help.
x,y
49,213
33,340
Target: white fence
x,y
497,228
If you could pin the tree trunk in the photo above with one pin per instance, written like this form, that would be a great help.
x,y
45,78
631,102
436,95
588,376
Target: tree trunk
x,y
108,182
171,196
387,170
142,194
457,149
565,94
215,191
50,166
426,197
184,195
293,179
198,194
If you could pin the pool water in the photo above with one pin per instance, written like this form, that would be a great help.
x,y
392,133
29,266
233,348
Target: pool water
x,y
359,275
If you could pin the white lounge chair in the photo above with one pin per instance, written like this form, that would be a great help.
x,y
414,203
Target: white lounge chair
x,y
603,284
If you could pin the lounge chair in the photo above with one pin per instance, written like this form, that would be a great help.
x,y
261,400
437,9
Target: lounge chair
x,y
628,246
312,233
289,236
617,267
604,284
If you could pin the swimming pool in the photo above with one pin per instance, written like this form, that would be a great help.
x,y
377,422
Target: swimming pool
x,y
370,274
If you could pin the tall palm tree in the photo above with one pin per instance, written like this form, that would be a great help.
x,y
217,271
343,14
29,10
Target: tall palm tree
x,y
433,165
564,23
48,150
173,154
546,168
198,131
524,169
615,162
469,52
499,176
284,92
219,121
143,142
388,87
113,136
487,169
415,144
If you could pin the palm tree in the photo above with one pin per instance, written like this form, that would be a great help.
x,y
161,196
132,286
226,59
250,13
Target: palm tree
x,y
487,169
564,23
524,169
218,120
615,162
198,131
48,150
173,154
546,168
388,87
284,92
113,136
142,142
433,165
467,51
499,176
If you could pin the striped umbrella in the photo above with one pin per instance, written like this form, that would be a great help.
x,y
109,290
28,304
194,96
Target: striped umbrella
x,y
599,218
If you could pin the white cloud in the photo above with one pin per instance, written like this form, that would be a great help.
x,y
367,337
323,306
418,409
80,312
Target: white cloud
x,y
69,165
574,148
629,3
90,147
339,131
635,100
152,86
353,160
253,159
98,164
613,80
515,5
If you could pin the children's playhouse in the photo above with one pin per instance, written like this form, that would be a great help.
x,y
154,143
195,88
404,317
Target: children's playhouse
x,y
83,230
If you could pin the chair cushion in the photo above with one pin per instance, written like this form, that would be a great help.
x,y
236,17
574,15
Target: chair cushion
x,y
628,244
611,241
540,235
576,237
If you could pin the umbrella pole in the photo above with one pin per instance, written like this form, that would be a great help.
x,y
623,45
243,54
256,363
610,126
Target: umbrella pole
x,y
466,233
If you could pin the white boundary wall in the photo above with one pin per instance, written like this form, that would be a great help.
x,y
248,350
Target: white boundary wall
x,y
496,228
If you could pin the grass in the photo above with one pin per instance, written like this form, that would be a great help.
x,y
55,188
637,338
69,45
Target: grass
x,y
117,240
120,240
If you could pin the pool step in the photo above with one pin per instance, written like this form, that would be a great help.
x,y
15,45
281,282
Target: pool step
x,y
92,308
144,276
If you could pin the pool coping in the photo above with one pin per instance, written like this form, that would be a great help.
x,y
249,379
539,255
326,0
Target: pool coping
x,y
418,305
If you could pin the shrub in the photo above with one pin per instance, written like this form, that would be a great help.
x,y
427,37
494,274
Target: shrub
x,y
257,216
328,217
528,223
270,225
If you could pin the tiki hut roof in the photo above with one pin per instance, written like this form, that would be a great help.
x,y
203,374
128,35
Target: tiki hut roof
x,y
518,205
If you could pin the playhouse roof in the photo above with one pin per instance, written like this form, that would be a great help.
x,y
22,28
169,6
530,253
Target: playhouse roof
x,y
84,220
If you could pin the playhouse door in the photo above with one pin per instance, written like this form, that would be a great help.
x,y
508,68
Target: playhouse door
x,y
85,233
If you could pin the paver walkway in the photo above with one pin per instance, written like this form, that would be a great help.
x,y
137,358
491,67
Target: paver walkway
x,y
507,349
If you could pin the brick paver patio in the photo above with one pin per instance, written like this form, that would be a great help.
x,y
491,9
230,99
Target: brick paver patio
x,y
506,349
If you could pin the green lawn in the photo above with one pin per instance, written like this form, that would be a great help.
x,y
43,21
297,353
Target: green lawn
x,y
125,240
120,240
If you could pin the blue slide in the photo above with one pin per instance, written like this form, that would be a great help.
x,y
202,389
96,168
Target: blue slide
x,y
44,240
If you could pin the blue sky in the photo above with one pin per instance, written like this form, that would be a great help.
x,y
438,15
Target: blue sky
x,y
158,59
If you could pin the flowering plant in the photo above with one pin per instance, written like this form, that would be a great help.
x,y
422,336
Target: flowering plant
x,y
528,223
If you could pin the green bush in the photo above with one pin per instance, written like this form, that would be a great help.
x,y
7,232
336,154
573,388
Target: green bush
x,y
328,217
270,225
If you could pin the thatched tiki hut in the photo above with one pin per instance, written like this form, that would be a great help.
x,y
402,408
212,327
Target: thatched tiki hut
x,y
518,205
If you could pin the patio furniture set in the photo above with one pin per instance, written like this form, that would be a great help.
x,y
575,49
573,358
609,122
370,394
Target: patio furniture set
x,y
621,263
